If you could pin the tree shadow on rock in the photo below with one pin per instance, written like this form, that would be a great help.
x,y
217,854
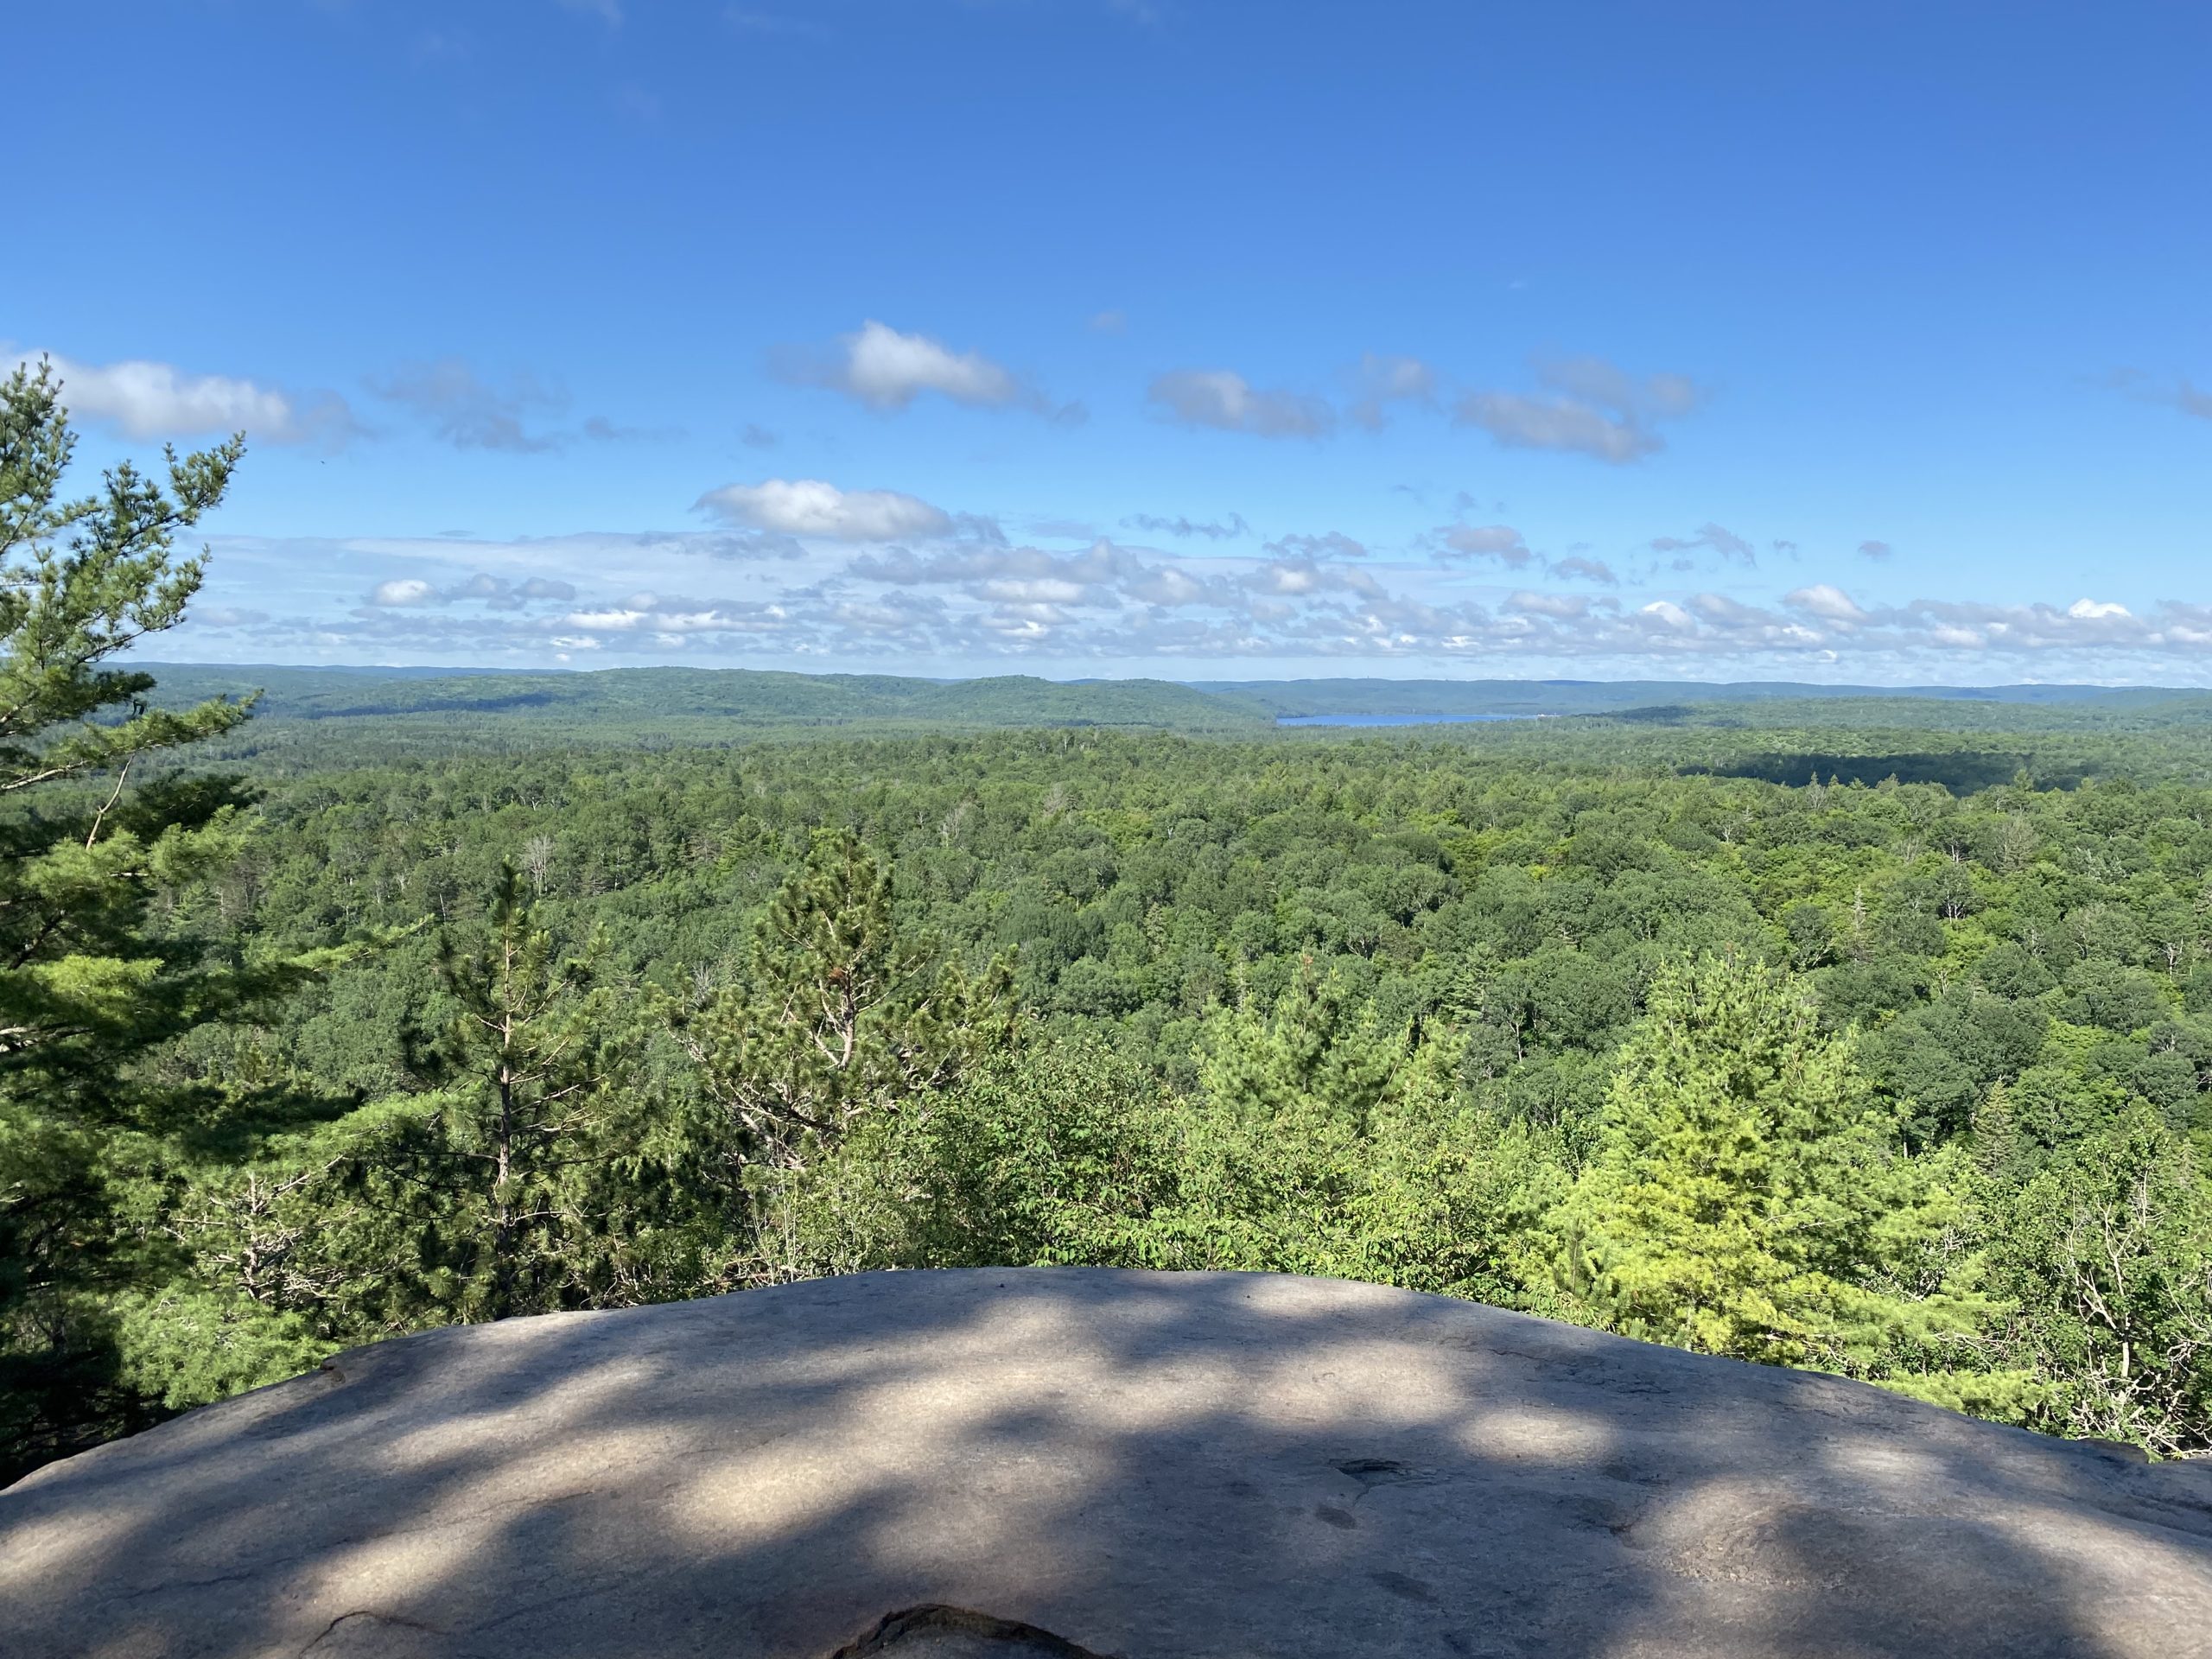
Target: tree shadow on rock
x,y
1143,1465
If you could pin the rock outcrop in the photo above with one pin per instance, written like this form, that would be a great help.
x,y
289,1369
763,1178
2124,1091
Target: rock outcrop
x,y
992,1465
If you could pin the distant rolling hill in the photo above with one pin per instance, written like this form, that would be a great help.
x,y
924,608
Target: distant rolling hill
x,y
1376,696
684,700
312,717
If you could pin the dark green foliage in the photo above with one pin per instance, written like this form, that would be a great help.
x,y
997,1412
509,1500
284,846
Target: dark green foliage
x,y
95,974
494,1163
2108,1264
1055,1154
1545,1013
831,1015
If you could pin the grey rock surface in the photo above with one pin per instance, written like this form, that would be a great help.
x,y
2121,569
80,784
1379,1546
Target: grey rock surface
x,y
1004,1464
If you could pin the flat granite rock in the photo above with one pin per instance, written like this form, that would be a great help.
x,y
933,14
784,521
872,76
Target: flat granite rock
x,y
998,1465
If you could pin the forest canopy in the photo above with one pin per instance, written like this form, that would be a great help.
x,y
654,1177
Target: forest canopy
x,y
315,1045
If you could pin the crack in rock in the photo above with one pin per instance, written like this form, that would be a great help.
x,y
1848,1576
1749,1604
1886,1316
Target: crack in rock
x,y
394,1619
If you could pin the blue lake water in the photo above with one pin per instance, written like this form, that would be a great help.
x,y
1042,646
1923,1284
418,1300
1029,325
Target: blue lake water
x,y
1394,720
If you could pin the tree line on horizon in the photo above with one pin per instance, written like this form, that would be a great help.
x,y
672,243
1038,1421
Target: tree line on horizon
x,y
1872,1079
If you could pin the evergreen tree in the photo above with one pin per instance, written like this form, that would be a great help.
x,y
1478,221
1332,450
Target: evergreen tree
x,y
527,1176
1324,1140
88,984
836,1015
1748,1195
1272,1163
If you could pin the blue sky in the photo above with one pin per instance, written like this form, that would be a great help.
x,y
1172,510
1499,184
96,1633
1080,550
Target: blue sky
x,y
1855,341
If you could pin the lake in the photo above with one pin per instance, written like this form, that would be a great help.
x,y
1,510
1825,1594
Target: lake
x,y
1394,720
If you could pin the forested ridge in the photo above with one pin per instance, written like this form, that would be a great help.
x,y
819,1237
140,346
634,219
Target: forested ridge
x,y
1877,1078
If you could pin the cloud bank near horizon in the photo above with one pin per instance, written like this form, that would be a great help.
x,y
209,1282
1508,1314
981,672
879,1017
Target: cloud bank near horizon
x,y
809,571
810,576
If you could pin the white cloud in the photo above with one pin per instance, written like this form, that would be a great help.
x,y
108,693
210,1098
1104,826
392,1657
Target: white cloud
x,y
961,604
1224,399
1499,542
1830,604
406,593
1525,422
148,400
808,506
887,369
1590,408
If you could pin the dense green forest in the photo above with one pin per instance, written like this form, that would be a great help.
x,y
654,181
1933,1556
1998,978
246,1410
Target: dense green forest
x,y
308,718
1866,1035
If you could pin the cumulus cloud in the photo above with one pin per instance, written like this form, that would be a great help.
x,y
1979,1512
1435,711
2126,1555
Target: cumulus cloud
x,y
1499,542
1215,530
1223,399
757,437
1828,603
960,604
1303,575
498,593
1875,549
1588,407
147,400
1379,381
809,506
887,369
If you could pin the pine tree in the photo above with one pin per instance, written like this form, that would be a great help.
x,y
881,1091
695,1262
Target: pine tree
x,y
1748,1195
87,986
836,1015
500,1189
